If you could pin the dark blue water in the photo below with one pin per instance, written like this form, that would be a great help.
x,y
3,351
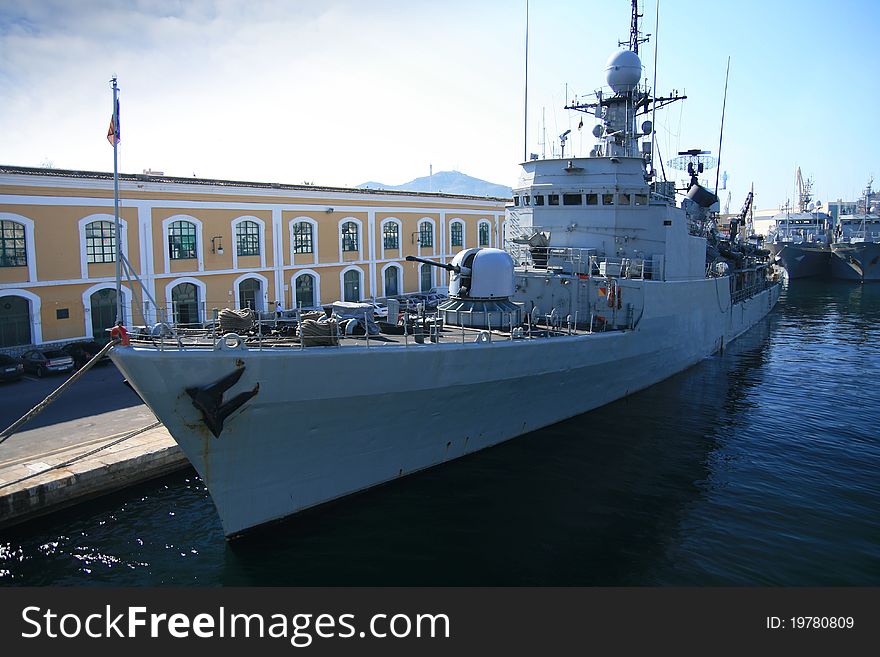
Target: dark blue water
x,y
760,466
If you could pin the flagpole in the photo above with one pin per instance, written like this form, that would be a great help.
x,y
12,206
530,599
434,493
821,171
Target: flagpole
x,y
118,232
526,94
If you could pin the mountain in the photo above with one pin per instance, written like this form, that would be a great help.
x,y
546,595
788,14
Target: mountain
x,y
447,182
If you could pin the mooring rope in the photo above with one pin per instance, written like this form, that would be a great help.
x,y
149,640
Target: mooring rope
x,y
73,460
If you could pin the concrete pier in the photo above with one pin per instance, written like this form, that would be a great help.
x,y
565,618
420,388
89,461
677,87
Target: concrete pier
x,y
113,467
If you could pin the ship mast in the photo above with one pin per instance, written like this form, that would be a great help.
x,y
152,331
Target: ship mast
x,y
618,110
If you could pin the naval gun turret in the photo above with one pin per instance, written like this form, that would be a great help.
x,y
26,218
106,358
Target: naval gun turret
x,y
480,287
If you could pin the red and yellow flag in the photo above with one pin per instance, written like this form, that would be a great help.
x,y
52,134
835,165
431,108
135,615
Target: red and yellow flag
x,y
113,131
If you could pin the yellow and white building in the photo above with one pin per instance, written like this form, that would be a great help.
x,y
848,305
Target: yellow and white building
x,y
199,244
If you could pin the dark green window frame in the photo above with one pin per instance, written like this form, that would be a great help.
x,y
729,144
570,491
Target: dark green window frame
x,y
13,246
391,235
182,240
247,238
302,237
349,236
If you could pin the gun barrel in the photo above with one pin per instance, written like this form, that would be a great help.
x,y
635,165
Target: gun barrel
x,y
447,267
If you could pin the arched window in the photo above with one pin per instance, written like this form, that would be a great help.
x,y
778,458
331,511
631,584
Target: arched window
x,y
247,238
185,304
13,252
457,234
249,294
304,291
181,240
100,242
102,305
391,235
351,285
349,236
426,234
392,278
15,320
484,234
302,237
427,278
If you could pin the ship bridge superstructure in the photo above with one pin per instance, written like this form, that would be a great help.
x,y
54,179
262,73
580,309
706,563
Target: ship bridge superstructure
x,y
610,205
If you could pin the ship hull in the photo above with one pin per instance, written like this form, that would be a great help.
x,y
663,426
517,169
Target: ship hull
x,y
330,421
803,260
856,261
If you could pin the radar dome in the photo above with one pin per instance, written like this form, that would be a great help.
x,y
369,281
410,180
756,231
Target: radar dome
x,y
623,71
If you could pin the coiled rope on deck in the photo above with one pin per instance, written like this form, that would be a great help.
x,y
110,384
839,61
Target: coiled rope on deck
x,y
236,321
319,334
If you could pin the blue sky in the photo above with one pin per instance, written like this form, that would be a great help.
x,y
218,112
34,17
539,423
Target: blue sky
x,y
337,92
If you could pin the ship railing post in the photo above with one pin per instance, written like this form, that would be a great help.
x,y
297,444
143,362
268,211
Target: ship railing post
x,y
366,329
592,315
489,325
568,321
406,329
461,324
259,331
299,327
215,316
575,322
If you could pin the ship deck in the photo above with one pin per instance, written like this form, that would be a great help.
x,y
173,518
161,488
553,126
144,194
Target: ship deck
x,y
272,339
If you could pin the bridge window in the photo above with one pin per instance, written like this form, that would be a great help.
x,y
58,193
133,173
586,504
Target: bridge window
x,y
592,199
623,199
607,199
552,199
539,199
641,199
572,199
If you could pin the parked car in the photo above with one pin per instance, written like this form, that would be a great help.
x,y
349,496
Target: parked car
x,y
82,352
380,310
43,361
11,368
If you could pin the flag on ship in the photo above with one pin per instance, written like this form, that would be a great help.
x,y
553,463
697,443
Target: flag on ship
x,y
113,131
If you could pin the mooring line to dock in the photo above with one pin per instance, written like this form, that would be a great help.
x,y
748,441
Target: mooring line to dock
x,y
73,460
15,426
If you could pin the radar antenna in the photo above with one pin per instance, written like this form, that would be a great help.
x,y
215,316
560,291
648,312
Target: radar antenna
x,y
694,161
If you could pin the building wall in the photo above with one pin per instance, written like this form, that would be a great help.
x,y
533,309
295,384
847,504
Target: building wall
x,y
61,287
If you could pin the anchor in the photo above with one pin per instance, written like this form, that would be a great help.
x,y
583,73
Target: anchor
x,y
209,400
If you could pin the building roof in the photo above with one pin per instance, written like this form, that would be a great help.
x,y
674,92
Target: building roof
x,y
6,169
